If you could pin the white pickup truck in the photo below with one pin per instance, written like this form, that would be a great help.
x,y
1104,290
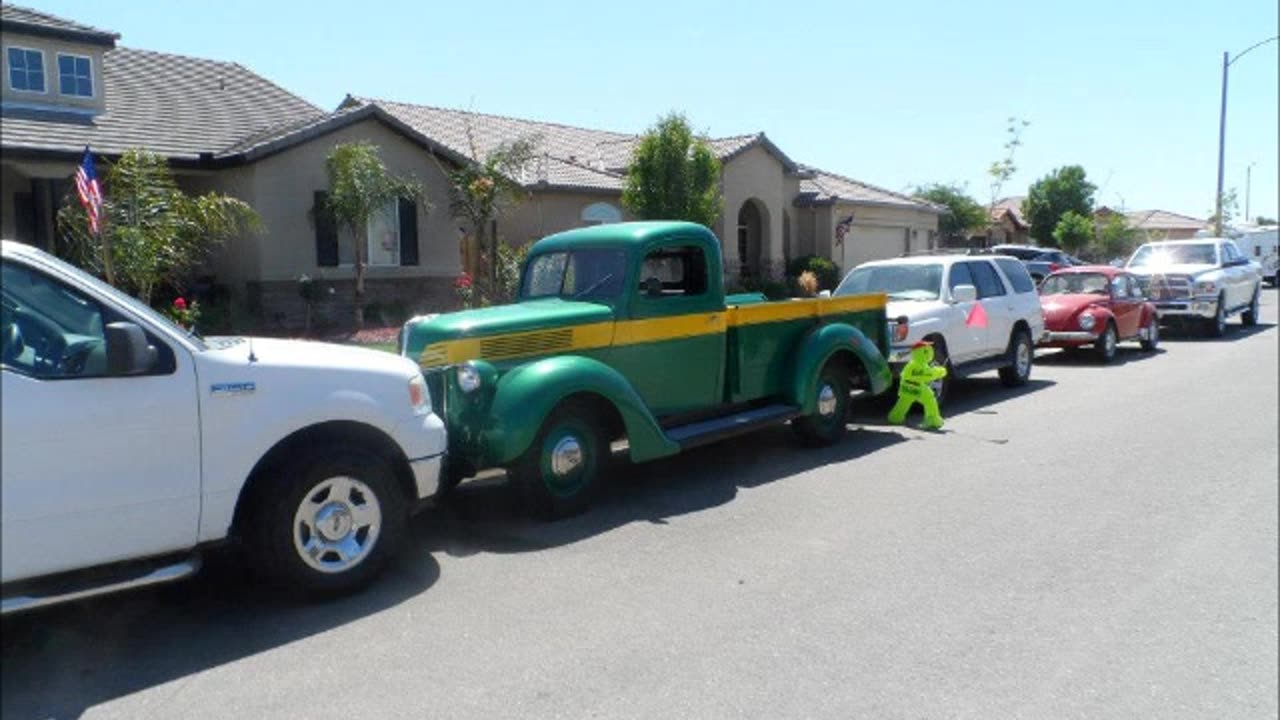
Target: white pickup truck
x,y
1202,281
130,445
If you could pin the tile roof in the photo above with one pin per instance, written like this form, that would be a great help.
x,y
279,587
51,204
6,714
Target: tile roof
x,y
17,19
1011,205
176,106
825,188
1163,220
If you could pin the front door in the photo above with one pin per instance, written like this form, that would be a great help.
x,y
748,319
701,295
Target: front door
x,y
1127,309
96,468
968,338
672,346
997,302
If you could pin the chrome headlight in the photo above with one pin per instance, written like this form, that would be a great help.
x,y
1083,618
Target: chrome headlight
x,y
1087,321
1206,287
469,379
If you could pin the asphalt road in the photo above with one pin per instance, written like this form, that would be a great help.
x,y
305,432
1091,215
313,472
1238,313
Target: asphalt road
x,y
1101,543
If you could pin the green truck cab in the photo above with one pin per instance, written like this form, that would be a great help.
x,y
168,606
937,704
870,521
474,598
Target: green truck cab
x,y
624,332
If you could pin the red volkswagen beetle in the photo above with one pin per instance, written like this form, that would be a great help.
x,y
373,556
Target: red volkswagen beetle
x,y
1096,306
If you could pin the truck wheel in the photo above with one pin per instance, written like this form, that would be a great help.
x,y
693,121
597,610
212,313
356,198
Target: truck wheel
x,y
1152,340
827,424
558,474
1105,348
327,524
1217,327
1018,371
1249,317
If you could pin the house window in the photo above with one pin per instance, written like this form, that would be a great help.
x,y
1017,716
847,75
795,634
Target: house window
x,y
26,70
75,75
600,213
384,235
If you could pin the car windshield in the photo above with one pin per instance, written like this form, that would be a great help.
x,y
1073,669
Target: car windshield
x,y
1157,255
901,282
591,274
1074,284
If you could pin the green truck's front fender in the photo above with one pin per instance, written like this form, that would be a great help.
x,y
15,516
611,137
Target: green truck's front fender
x,y
819,346
526,395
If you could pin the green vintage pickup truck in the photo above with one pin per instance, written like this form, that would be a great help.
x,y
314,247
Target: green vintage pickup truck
x,y
623,332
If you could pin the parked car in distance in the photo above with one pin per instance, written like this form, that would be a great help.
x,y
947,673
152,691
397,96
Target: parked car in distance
x,y
1202,281
625,331
980,312
130,445
1096,306
1039,261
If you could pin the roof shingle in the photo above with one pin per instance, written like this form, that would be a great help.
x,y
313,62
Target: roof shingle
x,y
17,19
825,187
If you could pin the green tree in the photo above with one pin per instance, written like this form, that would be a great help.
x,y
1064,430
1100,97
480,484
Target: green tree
x,y
1264,220
1116,238
479,192
673,175
151,232
1003,169
1074,232
1049,198
359,186
1230,205
965,215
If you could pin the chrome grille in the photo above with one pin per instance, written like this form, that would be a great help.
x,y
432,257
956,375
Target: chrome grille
x,y
535,343
1169,287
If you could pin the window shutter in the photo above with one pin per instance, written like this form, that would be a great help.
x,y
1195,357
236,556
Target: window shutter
x,y
326,231
408,232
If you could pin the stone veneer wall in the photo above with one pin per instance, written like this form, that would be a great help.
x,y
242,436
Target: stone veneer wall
x,y
278,307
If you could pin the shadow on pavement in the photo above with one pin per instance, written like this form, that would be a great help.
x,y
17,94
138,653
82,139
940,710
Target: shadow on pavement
x,y
1084,357
61,661
486,516
1235,331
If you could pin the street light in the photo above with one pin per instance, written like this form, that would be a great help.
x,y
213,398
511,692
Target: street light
x,y
1222,127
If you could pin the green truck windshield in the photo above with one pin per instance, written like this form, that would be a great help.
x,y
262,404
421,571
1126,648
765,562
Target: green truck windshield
x,y
595,274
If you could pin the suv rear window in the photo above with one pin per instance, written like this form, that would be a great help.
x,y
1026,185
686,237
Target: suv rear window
x,y
1017,274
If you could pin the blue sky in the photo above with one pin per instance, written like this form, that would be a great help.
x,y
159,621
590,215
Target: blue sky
x,y
895,94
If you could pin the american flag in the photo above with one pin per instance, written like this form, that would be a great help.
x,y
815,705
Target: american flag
x,y
89,190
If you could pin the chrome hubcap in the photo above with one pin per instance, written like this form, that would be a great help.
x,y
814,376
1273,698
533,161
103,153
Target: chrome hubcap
x,y
336,525
827,401
1024,358
566,456
1111,342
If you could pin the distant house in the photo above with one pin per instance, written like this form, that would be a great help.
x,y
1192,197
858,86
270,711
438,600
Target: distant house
x,y
1158,224
1008,226
224,128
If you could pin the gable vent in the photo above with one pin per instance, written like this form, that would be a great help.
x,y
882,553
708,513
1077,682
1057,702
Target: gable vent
x,y
534,343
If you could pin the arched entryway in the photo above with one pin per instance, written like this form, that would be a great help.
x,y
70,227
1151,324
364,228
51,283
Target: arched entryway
x,y
753,227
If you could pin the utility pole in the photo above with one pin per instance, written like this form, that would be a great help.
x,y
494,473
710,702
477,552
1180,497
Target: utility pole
x,y
1248,178
1222,131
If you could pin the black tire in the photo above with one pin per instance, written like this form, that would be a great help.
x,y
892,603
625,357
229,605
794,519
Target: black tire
x,y
942,388
550,494
1153,335
292,505
1021,357
1104,349
826,428
1217,327
1249,318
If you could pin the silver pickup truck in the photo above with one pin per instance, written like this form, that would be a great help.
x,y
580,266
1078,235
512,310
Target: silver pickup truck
x,y
1202,281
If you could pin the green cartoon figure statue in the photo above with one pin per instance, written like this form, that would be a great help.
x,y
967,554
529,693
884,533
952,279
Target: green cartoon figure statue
x,y
913,387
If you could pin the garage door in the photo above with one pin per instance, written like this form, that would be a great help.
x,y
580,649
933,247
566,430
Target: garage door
x,y
872,242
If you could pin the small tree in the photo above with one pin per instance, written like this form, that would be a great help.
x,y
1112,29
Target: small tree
x,y
965,215
1074,232
1230,205
1264,220
1066,189
359,186
151,232
1116,238
479,192
1003,169
673,175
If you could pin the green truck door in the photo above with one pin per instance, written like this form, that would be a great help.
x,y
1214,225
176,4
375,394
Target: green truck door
x,y
672,346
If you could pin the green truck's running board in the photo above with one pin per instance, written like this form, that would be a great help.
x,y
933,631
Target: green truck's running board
x,y
709,431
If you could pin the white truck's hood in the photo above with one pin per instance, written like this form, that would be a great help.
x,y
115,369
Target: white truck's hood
x,y
303,354
914,310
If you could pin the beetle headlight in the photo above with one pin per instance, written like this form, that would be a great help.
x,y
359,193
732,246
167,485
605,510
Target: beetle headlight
x,y
469,379
1087,321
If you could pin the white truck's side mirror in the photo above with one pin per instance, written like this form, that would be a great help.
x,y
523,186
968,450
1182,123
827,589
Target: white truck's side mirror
x,y
964,293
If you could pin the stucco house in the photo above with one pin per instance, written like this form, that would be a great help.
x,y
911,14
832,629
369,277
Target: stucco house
x,y
1158,224
224,128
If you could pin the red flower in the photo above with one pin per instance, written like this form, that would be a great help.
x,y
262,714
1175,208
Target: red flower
x,y
180,304
463,281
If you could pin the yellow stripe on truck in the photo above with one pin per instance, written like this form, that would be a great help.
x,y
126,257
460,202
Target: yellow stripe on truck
x,y
633,332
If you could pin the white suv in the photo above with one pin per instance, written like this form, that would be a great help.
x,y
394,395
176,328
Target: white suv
x,y
981,312
130,445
